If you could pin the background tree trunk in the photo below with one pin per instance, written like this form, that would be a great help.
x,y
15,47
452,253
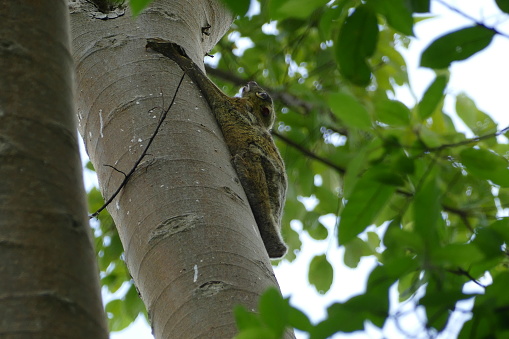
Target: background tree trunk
x,y
49,284
191,242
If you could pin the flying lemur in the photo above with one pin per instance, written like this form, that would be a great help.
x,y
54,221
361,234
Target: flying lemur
x,y
245,123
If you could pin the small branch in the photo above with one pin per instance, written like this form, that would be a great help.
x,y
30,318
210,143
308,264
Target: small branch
x,y
308,153
460,271
468,141
462,214
143,154
474,20
398,322
285,98
227,76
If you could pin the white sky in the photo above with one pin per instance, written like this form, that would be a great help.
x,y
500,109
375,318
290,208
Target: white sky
x,y
484,77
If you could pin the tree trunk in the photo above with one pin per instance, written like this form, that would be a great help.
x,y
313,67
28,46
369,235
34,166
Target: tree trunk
x,y
191,242
49,285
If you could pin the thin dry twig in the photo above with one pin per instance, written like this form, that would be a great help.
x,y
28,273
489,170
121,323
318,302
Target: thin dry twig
x,y
471,18
143,154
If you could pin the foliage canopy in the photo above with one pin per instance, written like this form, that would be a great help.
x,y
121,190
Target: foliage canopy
x,y
435,194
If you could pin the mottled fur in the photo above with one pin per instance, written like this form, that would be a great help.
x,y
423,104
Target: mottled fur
x,y
245,123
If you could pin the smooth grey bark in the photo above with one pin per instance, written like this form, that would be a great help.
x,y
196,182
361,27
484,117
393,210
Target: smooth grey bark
x,y
49,286
191,243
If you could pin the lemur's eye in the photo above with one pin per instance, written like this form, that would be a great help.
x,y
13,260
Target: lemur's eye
x,y
262,95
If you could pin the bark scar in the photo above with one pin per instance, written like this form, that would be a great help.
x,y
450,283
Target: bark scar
x,y
232,195
171,226
211,288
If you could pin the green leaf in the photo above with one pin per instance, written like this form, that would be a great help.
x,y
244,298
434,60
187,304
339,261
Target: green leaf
x,y
383,276
373,241
438,303
397,238
409,284
340,318
296,8
299,320
133,304
90,166
373,305
320,273
118,318
138,5
313,226
489,241
486,165
477,328
349,110
456,255
95,200
456,46
386,175
392,112
329,20
329,201
397,14
113,250
429,138
503,5
354,251
355,166
418,6
356,42
256,333
246,319
274,311
479,122
490,311
432,97
116,278
305,185
427,211
502,228
495,294
404,164
367,199
238,7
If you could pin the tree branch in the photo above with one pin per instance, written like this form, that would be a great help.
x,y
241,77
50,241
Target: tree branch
x,y
308,153
284,97
290,100
468,141
460,271
474,20
462,214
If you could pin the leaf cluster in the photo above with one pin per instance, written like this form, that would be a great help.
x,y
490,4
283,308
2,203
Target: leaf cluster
x,y
124,305
434,197
435,194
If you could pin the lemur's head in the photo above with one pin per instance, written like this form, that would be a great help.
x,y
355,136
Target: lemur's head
x,y
263,107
